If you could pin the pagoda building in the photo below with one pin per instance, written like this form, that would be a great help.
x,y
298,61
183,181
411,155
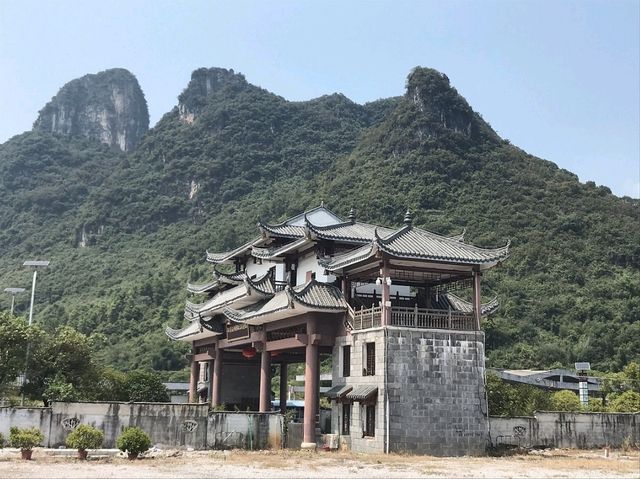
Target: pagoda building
x,y
386,304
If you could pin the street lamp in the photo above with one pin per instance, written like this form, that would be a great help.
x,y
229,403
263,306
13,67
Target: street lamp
x,y
13,292
35,265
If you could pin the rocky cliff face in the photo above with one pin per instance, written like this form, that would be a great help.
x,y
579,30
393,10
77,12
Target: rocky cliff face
x,y
442,105
204,82
108,106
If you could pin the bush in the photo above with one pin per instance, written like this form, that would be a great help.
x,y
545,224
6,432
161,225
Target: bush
x,y
565,401
85,437
628,401
134,441
25,439
1,441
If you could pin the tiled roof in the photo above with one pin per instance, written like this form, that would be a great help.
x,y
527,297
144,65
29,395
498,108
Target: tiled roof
x,y
336,392
319,295
218,258
269,253
220,280
348,258
252,290
348,231
279,302
416,243
203,288
313,296
460,304
282,230
192,328
362,392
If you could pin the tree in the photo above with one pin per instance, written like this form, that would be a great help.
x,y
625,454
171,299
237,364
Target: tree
x,y
514,399
628,401
146,387
15,335
63,366
112,386
565,401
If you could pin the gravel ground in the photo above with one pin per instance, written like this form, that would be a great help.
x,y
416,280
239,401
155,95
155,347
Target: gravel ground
x,y
51,464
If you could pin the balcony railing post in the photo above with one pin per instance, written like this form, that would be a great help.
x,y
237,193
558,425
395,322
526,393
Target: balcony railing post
x,y
450,318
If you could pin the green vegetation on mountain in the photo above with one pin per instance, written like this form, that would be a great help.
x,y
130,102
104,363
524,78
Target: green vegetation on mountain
x,y
126,231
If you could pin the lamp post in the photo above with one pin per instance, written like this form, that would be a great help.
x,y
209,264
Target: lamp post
x,y
13,292
35,265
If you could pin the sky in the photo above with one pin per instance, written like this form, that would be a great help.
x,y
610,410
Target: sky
x,y
560,79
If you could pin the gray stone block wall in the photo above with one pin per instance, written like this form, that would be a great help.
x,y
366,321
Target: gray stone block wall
x,y
357,441
435,385
437,402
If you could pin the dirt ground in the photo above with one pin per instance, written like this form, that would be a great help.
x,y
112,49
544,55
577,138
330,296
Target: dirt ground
x,y
294,464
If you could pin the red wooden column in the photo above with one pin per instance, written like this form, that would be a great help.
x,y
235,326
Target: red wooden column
x,y
386,296
283,388
193,378
215,379
265,381
311,368
477,308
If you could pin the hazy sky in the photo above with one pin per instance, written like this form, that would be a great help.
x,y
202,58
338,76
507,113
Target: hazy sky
x,y
560,79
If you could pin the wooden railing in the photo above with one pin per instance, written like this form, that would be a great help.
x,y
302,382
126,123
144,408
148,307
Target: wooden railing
x,y
432,319
367,318
419,318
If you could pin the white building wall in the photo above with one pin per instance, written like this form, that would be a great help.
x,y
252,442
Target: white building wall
x,y
307,263
258,269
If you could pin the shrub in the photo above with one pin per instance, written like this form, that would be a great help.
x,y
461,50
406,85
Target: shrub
x,y
1,441
134,441
565,401
25,439
628,401
85,437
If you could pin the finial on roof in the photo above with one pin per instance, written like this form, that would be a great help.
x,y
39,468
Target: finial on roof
x,y
321,203
352,215
408,219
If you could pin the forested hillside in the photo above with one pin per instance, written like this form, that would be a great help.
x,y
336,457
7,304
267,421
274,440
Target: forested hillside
x,y
125,231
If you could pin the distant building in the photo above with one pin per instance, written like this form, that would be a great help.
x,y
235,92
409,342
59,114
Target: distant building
x,y
385,303
178,392
552,379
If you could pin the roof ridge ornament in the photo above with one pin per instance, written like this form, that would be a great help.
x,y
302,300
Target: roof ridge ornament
x,y
352,215
408,218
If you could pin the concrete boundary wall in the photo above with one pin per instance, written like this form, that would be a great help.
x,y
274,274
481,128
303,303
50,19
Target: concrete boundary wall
x,y
168,425
566,429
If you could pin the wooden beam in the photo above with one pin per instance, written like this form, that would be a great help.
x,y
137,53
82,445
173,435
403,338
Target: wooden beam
x,y
209,356
299,341
253,337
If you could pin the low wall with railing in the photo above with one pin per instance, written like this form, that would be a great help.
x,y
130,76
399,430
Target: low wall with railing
x,y
418,318
432,319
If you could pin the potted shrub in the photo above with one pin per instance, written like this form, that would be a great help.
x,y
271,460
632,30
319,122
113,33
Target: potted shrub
x,y
85,437
25,440
133,440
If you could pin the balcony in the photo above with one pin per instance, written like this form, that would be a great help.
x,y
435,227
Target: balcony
x,y
418,318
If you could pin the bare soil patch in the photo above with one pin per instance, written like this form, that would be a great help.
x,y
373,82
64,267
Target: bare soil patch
x,y
294,464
